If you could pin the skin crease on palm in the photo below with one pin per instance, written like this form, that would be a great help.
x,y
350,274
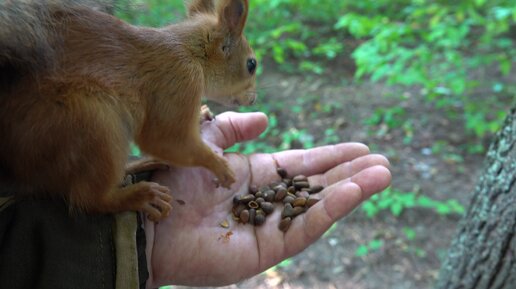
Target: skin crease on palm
x,y
189,247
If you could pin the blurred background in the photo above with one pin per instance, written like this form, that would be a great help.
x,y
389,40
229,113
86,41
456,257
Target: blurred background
x,y
426,83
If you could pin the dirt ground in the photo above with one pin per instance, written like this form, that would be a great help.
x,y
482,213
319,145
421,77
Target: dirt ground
x,y
400,263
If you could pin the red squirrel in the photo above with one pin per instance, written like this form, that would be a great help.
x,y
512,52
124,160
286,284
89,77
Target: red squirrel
x,y
78,85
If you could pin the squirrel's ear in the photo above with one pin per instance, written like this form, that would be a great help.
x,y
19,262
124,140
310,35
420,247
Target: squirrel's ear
x,y
233,15
194,7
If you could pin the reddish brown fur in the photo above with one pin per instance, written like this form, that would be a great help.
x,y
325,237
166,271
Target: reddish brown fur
x,y
66,132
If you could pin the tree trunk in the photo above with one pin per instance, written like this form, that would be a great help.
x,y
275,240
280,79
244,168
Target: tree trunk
x,y
482,254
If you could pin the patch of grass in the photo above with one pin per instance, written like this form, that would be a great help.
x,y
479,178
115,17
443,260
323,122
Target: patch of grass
x,y
396,201
371,246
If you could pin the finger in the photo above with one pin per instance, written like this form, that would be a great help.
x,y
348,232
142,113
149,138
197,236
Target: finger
x,y
232,127
372,180
306,162
320,159
340,199
348,169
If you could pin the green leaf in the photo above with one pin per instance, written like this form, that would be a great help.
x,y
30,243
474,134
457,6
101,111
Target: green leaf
x,y
361,251
396,209
381,72
409,233
480,3
425,202
443,209
370,209
285,263
456,206
458,85
278,54
505,66
330,230
375,244
420,252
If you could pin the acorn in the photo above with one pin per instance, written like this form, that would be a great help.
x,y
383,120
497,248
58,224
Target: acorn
x,y
252,215
246,198
264,188
299,202
267,207
288,211
285,224
259,219
244,216
306,190
297,211
311,201
291,189
299,178
289,199
282,172
316,189
238,209
280,194
301,185
303,194
281,186
269,195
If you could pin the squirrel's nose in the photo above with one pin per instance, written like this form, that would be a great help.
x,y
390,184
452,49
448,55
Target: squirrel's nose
x,y
251,65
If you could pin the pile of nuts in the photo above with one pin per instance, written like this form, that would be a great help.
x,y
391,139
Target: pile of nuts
x,y
295,194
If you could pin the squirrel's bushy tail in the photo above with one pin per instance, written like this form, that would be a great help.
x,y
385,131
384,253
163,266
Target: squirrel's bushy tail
x,y
25,37
28,40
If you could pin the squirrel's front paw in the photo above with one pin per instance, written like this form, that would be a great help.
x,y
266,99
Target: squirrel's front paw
x,y
206,114
225,176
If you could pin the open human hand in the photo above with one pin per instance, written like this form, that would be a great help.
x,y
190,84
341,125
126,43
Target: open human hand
x,y
190,247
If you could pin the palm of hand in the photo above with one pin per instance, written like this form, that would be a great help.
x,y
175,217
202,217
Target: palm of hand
x,y
190,247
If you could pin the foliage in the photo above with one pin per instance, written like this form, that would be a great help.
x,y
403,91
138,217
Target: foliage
x,y
371,246
396,202
409,235
442,47
439,46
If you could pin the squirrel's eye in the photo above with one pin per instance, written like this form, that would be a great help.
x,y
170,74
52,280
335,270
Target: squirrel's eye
x,y
225,48
251,65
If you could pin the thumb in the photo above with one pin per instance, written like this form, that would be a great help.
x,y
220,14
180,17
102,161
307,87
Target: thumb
x,y
233,127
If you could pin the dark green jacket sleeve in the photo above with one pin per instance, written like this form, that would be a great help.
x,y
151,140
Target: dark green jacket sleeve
x,y
44,245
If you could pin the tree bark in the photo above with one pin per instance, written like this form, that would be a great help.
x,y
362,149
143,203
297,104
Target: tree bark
x,y
482,254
